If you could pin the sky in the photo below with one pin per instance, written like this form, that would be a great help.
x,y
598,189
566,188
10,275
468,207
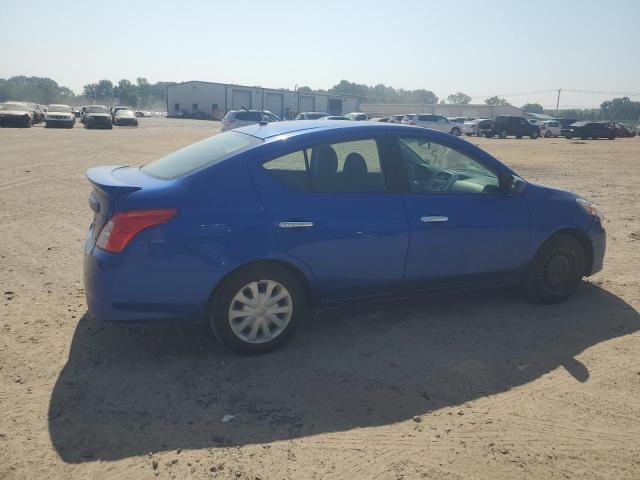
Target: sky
x,y
523,51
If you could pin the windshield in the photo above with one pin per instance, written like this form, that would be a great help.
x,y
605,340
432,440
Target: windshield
x,y
14,106
96,109
200,155
59,108
124,113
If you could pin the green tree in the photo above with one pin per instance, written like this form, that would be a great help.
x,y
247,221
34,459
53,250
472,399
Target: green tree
x,y
495,100
459,98
304,88
533,108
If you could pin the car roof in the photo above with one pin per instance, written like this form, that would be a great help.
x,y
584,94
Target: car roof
x,y
293,127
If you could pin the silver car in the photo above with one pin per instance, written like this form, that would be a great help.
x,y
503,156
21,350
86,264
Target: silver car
x,y
242,118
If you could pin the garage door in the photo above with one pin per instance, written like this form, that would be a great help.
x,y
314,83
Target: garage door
x,y
307,104
273,102
240,98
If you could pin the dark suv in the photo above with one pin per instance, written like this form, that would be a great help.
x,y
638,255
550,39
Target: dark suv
x,y
503,126
586,130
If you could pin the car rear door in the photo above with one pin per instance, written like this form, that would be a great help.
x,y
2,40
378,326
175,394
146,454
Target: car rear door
x,y
329,205
464,231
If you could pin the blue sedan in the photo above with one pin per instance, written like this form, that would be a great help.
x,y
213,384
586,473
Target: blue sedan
x,y
248,229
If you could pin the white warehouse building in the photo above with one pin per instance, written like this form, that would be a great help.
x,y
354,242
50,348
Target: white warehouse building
x,y
214,100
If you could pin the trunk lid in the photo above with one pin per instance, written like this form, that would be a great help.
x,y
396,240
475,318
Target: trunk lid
x,y
109,183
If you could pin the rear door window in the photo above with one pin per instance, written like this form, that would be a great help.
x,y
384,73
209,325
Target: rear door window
x,y
343,167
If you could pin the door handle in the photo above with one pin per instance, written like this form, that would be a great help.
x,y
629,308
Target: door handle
x,y
434,219
295,224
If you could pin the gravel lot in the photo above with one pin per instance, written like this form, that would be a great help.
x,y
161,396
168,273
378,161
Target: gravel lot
x,y
473,386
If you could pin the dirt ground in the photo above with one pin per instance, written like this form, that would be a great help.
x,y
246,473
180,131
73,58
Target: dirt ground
x,y
469,386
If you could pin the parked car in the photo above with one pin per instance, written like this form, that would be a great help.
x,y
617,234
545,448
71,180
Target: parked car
x,y
585,130
142,113
96,116
622,131
311,115
114,110
59,116
470,127
504,126
242,118
76,112
434,122
381,119
457,119
125,118
336,117
550,128
248,229
396,118
357,116
16,114
38,112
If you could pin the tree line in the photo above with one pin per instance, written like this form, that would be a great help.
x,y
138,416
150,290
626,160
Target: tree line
x,y
141,94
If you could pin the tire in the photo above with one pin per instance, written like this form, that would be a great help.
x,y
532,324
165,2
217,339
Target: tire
x,y
28,124
547,134
243,284
488,135
535,134
568,137
519,137
556,271
468,134
584,137
455,131
503,134
611,137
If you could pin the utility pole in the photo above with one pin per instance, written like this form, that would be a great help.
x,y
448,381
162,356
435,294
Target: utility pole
x,y
558,101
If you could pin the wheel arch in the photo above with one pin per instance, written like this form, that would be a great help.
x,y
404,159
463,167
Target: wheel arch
x,y
579,235
306,282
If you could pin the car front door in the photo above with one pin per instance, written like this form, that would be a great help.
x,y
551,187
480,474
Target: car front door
x,y
463,228
329,207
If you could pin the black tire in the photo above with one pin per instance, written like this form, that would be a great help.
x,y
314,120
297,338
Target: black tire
x,y
612,137
557,270
222,298
568,137
518,137
503,134
535,134
488,135
28,124
584,137
455,131
547,134
468,134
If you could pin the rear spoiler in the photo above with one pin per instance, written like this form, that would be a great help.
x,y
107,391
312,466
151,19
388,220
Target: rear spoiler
x,y
102,179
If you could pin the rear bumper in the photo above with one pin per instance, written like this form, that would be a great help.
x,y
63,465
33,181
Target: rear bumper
x,y
117,289
598,237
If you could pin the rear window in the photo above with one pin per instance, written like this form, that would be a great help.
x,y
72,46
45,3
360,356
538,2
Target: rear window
x,y
248,116
200,155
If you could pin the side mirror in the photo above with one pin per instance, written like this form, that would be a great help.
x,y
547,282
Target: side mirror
x,y
514,185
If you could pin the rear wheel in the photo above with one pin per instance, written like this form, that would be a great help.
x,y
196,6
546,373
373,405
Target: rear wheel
x,y
256,309
503,134
557,269
547,134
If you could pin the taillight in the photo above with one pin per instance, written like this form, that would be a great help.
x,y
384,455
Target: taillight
x,y
123,226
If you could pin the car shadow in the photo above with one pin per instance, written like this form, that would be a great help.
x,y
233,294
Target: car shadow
x,y
128,390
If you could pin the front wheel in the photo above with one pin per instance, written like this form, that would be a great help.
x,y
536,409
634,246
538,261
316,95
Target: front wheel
x,y
256,309
556,271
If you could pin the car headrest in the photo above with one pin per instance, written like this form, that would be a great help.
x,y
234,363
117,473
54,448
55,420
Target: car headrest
x,y
355,167
325,162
